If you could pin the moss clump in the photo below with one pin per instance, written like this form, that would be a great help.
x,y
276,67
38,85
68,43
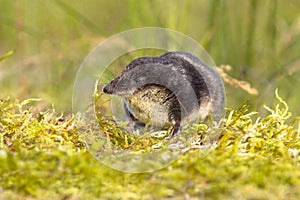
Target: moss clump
x,y
42,156
20,127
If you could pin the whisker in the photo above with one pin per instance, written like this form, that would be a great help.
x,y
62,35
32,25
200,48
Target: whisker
x,y
109,74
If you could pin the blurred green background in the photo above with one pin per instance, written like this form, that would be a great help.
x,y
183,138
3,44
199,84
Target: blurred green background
x,y
259,39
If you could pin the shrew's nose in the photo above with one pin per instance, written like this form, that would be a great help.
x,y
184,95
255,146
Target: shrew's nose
x,y
107,89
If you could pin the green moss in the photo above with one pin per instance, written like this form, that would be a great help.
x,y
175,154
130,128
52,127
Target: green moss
x,y
43,156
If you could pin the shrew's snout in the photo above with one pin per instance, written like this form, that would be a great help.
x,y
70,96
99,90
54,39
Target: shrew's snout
x,y
108,89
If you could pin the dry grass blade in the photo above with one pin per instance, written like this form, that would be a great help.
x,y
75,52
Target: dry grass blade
x,y
234,82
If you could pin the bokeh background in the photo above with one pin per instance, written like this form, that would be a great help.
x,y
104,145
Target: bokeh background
x,y
51,38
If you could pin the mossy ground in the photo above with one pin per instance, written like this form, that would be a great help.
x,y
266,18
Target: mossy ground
x,y
43,156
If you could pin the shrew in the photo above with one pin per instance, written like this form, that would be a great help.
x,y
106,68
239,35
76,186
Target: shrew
x,y
169,90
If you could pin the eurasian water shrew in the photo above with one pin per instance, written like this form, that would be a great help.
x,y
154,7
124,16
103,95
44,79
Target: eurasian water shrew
x,y
169,90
